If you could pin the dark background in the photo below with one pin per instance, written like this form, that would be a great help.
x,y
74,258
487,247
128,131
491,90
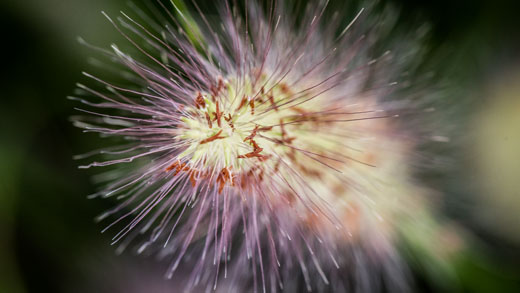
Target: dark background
x,y
48,239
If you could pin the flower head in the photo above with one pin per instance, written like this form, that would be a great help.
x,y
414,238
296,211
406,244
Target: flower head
x,y
263,148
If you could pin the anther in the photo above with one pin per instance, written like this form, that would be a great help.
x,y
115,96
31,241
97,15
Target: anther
x,y
199,101
210,124
242,103
218,115
252,105
212,138
253,134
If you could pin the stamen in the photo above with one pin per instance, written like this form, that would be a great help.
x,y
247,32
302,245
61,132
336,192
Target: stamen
x,y
212,138
218,114
208,119
199,101
252,105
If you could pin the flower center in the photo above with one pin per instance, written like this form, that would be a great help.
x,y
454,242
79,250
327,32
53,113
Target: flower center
x,y
238,131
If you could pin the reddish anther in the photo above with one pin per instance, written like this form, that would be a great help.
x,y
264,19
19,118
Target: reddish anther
x,y
299,110
242,103
261,175
252,105
228,119
273,104
199,101
193,180
255,145
284,88
254,154
289,140
282,128
276,166
210,124
222,177
285,138
216,90
172,166
212,138
218,115
253,134
178,166
263,158
265,128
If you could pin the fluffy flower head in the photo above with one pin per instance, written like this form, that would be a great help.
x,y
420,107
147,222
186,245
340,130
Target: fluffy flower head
x,y
260,145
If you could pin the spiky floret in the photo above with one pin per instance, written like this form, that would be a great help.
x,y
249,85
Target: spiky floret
x,y
260,149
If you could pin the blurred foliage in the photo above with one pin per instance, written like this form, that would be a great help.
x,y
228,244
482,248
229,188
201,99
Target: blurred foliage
x,y
49,242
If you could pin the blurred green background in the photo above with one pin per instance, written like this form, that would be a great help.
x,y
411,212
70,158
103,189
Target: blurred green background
x,y
48,239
